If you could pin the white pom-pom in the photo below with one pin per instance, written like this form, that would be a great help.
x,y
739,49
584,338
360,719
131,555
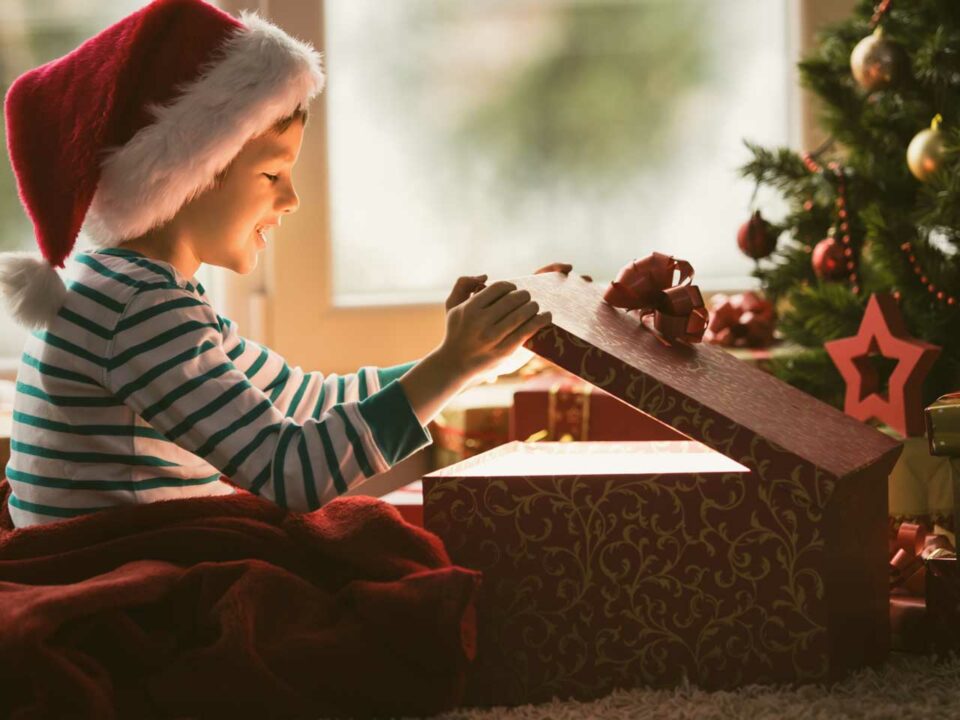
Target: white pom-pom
x,y
31,287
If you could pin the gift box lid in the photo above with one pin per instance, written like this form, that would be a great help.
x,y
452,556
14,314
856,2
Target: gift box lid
x,y
700,390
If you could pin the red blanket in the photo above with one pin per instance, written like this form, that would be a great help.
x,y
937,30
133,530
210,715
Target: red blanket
x,y
230,607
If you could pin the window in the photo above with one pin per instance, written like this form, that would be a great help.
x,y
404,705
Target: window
x,y
458,137
494,137
33,32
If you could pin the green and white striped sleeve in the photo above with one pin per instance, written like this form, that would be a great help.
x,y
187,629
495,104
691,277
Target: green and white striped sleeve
x,y
299,394
274,436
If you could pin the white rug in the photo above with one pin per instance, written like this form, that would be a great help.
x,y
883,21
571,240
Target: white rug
x,y
908,686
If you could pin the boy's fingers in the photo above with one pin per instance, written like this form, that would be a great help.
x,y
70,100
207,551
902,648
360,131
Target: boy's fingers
x,y
463,288
503,306
521,311
469,282
491,293
530,328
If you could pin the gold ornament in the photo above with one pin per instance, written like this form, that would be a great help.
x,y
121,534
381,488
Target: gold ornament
x,y
925,153
875,62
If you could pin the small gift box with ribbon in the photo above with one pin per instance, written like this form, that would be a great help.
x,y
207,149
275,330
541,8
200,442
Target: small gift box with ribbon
x,y
911,585
925,489
605,571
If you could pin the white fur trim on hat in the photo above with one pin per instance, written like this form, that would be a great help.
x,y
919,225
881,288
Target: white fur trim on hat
x,y
31,287
261,75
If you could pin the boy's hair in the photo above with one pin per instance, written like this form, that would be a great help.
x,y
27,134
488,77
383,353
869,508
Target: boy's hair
x,y
278,128
281,125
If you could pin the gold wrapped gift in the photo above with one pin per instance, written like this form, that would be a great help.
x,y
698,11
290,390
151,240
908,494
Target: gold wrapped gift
x,y
943,425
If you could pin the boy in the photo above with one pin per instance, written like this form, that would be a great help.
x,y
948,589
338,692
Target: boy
x,y
171,136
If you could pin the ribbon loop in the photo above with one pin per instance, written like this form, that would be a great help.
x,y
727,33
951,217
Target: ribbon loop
x,y
741,320
912,546
647,285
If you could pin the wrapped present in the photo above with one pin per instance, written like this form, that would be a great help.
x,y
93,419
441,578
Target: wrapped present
x,y
924,489
743,320
475,421
943,425
909,625
943,603
911,550
777,575
558,405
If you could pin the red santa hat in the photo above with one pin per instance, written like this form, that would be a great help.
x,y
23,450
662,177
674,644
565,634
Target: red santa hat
x,y
118,135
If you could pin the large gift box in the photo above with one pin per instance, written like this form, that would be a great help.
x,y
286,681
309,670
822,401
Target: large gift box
x,y
557,405
596,579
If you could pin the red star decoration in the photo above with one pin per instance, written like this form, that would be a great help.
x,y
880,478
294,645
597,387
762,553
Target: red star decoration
x,y
883,331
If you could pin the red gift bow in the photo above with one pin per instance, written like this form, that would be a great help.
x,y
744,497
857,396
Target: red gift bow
x,y
912,546
647,285
741,320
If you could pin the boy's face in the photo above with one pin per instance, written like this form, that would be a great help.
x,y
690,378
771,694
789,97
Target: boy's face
x,y
257,189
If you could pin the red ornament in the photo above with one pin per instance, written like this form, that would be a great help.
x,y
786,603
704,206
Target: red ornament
x,y
756,238
883,331
828,260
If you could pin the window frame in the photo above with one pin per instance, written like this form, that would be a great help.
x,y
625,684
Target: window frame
x,y
287,302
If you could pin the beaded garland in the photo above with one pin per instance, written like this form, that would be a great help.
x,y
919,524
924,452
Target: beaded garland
x,y
843,225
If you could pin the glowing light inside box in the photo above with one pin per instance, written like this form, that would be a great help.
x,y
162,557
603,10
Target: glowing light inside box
x,y
597,458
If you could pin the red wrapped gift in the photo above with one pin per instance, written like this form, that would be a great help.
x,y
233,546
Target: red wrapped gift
x,y
560,406
475,421
787,576
943,603
911,550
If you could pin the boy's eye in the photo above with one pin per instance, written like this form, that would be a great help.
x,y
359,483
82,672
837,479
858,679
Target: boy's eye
x,y
272,178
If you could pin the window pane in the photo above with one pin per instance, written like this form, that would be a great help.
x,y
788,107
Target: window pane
x,y
469,137
33,32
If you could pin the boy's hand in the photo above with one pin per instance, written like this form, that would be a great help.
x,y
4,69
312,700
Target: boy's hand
x,y
469,284
489,326
483,327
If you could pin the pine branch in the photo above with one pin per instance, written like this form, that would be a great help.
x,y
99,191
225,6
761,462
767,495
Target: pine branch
x,y
820,312
813,372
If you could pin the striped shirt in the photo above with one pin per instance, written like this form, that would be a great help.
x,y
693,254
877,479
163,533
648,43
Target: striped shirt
x,y
139,391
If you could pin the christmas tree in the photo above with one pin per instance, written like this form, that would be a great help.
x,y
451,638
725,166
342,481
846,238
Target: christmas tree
x,y
862,217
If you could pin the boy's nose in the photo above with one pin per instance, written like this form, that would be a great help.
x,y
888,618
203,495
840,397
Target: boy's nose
x,y
290,202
